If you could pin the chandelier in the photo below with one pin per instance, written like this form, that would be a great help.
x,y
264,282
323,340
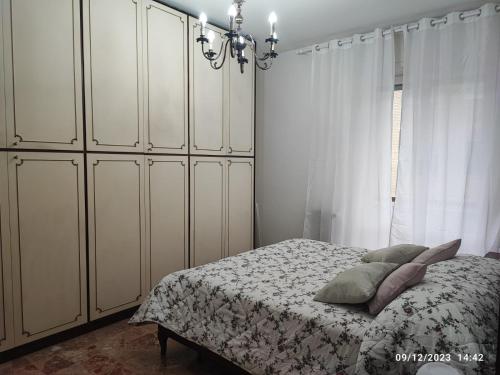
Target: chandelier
x,y
237,40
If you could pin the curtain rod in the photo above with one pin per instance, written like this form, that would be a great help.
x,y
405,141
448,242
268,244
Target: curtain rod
x,y
387,31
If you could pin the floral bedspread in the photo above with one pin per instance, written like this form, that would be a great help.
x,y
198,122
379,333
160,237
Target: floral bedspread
x,y
257,310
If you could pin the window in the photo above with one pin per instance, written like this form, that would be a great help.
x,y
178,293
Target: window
x,y
396,128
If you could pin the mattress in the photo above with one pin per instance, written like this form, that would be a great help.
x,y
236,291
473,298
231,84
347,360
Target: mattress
x,y
257,310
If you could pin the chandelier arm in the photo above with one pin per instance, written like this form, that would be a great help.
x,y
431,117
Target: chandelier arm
x,y
266,55
214,64
223,47
204,53
265,66
215,57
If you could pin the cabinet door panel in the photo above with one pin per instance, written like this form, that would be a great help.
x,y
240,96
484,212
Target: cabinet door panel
x,y
165,48
208,102
239,205
6,316
113,63
43,74
166,215
241,107
3,122
48,243
207,210
116,232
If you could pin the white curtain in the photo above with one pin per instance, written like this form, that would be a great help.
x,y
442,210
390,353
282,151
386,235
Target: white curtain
x,y
449,164
348,197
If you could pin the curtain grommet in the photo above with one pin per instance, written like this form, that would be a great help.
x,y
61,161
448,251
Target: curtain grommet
x,y
362,38
411,27
445,20
317,48
339,43
461,16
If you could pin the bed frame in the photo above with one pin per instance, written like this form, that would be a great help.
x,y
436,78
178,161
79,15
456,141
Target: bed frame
x,y
227,366
164,334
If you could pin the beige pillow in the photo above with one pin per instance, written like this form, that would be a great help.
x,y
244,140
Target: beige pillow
x,y
396,283
399,254
356,285
438,254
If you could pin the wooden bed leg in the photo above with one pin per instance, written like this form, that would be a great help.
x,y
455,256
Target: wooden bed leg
x,y
199,357
162,338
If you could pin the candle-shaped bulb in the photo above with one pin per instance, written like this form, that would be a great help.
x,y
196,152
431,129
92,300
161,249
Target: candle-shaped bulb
x,y
272,17
231,12
203,22
272,21
203,19
211,38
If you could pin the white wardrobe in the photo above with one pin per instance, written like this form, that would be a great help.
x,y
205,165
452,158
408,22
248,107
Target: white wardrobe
x,y
221,207
123,157
221,102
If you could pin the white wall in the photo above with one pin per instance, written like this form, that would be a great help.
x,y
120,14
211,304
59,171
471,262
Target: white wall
x,y
282,139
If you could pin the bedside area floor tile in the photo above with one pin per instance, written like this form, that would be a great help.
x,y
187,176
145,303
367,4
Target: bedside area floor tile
x,y
117,349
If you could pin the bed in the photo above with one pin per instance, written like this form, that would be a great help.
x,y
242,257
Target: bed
x,y
256,310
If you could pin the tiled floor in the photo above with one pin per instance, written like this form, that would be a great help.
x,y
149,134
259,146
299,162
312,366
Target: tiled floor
x,y
115,350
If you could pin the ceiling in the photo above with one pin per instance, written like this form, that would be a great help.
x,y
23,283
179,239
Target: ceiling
x,y
305,22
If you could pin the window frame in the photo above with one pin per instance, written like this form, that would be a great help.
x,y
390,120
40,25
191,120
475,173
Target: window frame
x,y
397,87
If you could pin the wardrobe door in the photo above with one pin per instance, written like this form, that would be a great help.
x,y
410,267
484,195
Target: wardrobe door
x,y
3,129
6,317
47,219
239,205
113,74
240,125
116,232
208,102
166,69
43,74
207,210
166,216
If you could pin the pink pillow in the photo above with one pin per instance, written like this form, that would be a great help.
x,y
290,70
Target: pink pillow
x,y
396,283
438,254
